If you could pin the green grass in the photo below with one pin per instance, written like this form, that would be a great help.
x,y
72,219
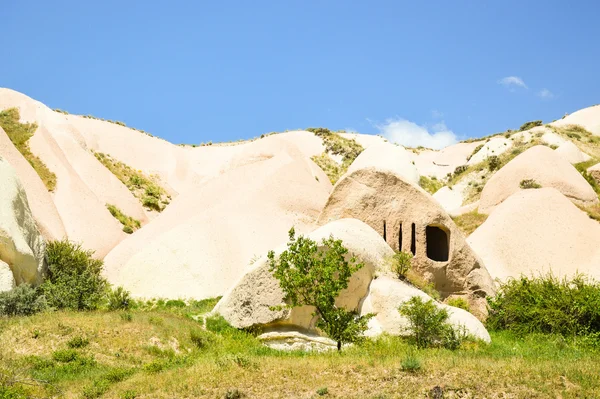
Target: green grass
x,y
335,144
129,224
332,169
150,194
470,221
430,184
118,363
19,134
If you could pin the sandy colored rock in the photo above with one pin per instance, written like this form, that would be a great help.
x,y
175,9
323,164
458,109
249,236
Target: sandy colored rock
x,y
449,199
365,140
40,200
570,153
409,219
537,231
387,156
207,237
21,245
495,146
440,163
387,294
589,118
251,300
543,165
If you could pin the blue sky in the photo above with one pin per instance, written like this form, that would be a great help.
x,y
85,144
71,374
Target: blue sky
x,y
194,71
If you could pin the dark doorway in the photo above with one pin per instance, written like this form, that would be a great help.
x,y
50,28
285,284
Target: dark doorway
x,y
413,240
438,244
384,232
400,238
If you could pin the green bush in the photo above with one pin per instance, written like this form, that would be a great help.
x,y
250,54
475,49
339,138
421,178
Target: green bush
x,y
530,125
493,162
78,342
74,279
65,355
152,203
431,185
429,324
460,169
322,391
529,183
202,339
22,300
119,299
475,151
410,363
459,303
129,224
547,304
313,276
401,263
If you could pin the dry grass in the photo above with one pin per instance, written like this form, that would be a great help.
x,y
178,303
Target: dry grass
x,y
151,355
332,169
470,221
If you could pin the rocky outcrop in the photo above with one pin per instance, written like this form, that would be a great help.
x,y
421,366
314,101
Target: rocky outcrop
x,y
409,219
252,300
21,245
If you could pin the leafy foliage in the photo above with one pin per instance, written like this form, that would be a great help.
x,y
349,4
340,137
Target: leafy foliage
x,y
129,224
530,125
529,183
547,304
429,324
315,277
19,134
23,300
74,278
401,263
493,162
459,303
119,299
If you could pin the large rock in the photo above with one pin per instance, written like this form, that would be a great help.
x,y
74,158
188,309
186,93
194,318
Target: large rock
x,y
547,168
409,219
387,156
21,245
535,232
251,301
570,153
589,118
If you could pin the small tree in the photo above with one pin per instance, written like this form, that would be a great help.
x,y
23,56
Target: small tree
x,y
315,277
74,278
401,262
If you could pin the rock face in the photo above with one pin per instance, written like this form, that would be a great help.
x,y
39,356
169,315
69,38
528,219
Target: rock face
x,y
21,245
589,118
538,231
387,156
249,302
543,165
496,146
570,153
410,220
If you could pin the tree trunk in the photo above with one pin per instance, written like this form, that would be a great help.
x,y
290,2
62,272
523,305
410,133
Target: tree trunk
x,y
339,345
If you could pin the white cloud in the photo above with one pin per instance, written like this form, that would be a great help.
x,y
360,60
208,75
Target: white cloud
x,y
512,81
410,134
546,94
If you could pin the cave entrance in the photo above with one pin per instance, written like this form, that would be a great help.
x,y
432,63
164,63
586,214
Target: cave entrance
x,y
438,243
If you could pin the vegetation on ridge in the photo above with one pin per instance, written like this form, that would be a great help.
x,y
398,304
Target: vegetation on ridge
x,y
145,189
19,134
335,144
129,224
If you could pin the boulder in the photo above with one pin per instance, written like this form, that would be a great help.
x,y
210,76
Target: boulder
x,y
21,245
589,118
537,231
251,300
390,157
543,165
409,219
570,153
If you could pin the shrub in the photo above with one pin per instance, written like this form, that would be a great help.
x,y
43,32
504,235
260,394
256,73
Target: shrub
x,y
313,276
530,125
233,394
129,224
410,363
401,263
529,183
65,355
22,300
459,302
547,304
78,342
322,391
460,169
429,324
74,278
218,325
119,299
202,339
493,162
152,203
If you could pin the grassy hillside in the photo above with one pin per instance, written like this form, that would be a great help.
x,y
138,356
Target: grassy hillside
x,y
19,134
162,352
